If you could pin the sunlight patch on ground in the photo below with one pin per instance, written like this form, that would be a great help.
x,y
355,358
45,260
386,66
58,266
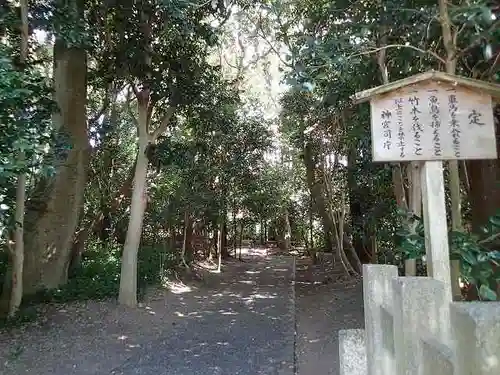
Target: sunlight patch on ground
x,y
150,310
263,296
223,312
249,282
314,340
177,287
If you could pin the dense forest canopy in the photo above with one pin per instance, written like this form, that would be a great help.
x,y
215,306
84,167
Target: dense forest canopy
x,y
143,135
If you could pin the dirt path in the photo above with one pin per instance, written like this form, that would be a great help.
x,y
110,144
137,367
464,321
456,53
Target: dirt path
x,y
322,309
241,321
238,322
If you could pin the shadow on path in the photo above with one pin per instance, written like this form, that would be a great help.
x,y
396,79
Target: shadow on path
x,y
322,309
236,322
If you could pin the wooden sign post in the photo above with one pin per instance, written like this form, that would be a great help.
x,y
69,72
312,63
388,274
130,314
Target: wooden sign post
x,y
433,117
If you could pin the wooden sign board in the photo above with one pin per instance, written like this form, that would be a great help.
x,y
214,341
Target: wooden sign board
x,y
432,120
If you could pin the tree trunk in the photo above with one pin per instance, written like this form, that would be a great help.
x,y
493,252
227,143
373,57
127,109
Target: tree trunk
x,y
262,231
241,239
53,211
220,245
189,238
288,231
365,254
318,197
215,234
185,239
449,42
311,223
16,294
128,277
224,248
484,176
416,208
235,230
266,232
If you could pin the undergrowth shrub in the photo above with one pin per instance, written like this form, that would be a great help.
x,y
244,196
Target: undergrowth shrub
x,y
98,277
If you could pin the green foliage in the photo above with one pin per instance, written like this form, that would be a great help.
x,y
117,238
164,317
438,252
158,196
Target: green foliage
x,y
478,255
98,278
25,112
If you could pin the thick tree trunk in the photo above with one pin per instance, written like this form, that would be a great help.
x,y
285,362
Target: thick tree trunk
x,y
53,210
484,177
364,252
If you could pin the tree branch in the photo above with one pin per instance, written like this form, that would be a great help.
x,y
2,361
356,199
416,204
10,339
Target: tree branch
x,y
129,110
165,121
486,34
427,52
105,105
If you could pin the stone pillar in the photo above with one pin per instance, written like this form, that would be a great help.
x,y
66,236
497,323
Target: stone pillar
x,y
476,332
421,311
378,299
352,352
437,359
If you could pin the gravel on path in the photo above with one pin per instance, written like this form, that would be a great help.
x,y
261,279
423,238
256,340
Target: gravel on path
x,y
326,302
236,322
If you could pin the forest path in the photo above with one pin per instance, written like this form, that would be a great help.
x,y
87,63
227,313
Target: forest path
x,y
326,301
240,321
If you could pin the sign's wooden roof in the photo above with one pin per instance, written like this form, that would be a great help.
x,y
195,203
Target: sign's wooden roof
x,y
475,84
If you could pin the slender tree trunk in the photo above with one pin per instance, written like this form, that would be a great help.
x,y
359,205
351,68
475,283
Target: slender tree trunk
x,y
397,171
416,208
52,213
345,251
215,234
363,252
235,229
241,239
288,231
185,239
220,245
128,277
262,231
311,222
17,254
224,248
266,234
317,197
454,175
